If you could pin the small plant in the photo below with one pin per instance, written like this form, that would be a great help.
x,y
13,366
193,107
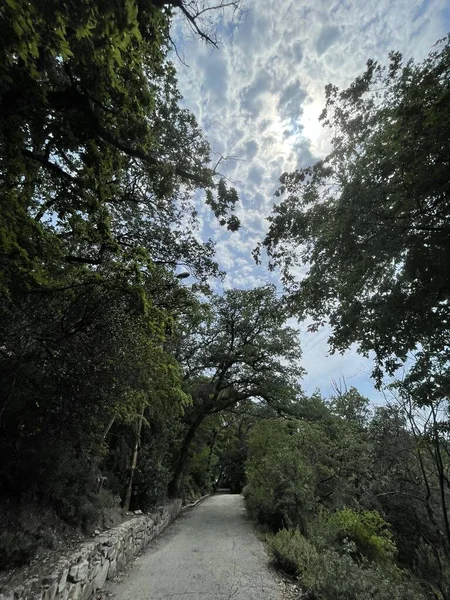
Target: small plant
x,y
335,575
338,577
365,535
292,552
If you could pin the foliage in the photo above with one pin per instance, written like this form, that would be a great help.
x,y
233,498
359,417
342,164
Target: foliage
x,y
281,483
365,489
370,220
326,574
367,530
99,161
101,174
16,548
239,350
293,553
337,576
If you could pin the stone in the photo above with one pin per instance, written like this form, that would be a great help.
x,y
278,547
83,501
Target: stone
x,y
63,580
74,591
50,592
111,553
88,590
50,579
94,562
79,572
112,569
102,575
121,561
94,568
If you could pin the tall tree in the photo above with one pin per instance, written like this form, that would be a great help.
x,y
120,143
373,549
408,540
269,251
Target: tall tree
x,y
242,350
94,147
371,220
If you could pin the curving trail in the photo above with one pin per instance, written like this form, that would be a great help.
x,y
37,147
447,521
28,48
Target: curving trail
x,y
210,553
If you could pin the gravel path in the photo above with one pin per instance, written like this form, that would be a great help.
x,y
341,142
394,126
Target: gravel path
x,y
210,553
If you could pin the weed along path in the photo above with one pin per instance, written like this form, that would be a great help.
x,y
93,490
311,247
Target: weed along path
x,y
210,553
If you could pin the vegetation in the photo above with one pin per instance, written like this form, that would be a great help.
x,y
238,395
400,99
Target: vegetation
x,y
123,384
355,509
371,220
99,167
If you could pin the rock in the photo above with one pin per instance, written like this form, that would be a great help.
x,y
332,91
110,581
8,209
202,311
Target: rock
x,y
88,568
101,576
88,591
18,592
79,572
112,569
63,580
110,552
50,593
74,591
50,579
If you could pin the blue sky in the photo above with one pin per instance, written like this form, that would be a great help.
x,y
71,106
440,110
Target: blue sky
x,y
259,97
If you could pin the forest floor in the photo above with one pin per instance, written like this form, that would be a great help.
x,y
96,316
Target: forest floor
x,y
210,553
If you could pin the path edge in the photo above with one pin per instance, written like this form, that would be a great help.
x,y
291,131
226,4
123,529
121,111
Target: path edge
x,y
86,571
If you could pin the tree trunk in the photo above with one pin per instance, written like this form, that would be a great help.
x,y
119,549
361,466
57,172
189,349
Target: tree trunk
x,y
175,486
127,501
108,427
211,450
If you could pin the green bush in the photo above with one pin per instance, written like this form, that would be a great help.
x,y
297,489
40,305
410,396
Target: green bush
x,y
292,552
338,577
365,534
335,575
280,483
330,575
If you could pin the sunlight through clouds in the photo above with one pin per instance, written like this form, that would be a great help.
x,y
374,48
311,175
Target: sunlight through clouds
x,y
259,97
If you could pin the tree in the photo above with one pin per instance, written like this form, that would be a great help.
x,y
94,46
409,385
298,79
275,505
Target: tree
x,y
99,162
242,350
197,14
72,360
371,220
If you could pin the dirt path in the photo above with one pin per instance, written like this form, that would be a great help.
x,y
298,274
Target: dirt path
x,y
210,553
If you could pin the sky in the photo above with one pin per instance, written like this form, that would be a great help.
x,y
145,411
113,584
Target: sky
x,y
258,98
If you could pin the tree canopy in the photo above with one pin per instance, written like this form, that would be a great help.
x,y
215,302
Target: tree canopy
x,y
241,350
371,220
99,161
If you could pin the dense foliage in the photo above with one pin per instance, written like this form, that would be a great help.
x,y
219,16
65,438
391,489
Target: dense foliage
x,y
101,172
355,502
371,219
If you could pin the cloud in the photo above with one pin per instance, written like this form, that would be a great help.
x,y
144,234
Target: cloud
x,y
260,95
214,71
255,174
290,102
327,38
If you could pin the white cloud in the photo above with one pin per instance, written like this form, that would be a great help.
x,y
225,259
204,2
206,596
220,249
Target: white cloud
x,y
260,95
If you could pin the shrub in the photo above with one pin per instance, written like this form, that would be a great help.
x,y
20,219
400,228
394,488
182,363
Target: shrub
x,y
280,483
333,575
16,548
338,577
366,534
292,552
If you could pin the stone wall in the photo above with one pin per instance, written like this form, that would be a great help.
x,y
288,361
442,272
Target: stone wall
x,y
87,570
